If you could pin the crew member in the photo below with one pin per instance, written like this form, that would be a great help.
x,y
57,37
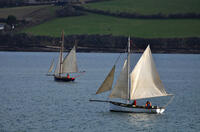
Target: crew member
x,y
134,102
148,104
68,75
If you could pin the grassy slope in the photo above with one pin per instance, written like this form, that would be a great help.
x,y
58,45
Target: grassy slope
x,y
28,12
99,24
148,6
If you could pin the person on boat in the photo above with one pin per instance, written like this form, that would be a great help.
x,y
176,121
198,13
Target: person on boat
x,y
148,104
68,76
134,102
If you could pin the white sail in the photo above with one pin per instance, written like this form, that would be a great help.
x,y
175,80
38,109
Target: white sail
x,y
57,68
51,67
69,63
107,83
145,80
121,87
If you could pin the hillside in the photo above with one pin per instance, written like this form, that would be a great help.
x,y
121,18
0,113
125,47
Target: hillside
x,y
147,7
108,33
30,13
100,24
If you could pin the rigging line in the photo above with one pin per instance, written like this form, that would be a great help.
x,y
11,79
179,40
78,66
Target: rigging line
x,y
108,97
120,55
117,59
169,101
81,73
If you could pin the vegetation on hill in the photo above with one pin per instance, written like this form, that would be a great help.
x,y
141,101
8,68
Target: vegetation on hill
x,y
100,24
107,32
67,11
148,7
97,43
9,3
30,13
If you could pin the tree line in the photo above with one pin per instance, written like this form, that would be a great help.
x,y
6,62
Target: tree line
x,y
138,15
97,43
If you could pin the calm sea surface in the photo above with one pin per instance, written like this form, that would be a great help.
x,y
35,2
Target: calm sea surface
x,y
30,101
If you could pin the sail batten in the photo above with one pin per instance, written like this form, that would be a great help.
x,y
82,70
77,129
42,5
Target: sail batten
x,y
121,87
107,83
145,80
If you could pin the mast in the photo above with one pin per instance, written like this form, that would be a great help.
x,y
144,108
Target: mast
x,y
128,64
61,53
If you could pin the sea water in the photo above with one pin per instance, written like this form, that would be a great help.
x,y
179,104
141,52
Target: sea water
x,y
30,101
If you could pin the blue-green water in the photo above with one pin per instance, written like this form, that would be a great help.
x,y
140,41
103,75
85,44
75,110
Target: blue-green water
x,y
33,102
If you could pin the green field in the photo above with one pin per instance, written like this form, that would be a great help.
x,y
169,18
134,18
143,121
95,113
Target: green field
x,y
100,24
147,7
29,12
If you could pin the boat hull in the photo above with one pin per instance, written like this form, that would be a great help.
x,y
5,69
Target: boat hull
x,y
120,107
63,79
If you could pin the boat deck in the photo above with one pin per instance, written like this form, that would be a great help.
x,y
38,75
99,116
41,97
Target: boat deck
x,y
134,106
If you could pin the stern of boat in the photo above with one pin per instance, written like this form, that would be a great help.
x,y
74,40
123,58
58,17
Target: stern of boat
x,y
160,110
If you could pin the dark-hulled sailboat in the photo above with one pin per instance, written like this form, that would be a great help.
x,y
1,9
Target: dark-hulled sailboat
x,y
67,65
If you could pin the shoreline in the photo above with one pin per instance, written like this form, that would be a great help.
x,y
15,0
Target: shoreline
x,y
98,44
96,50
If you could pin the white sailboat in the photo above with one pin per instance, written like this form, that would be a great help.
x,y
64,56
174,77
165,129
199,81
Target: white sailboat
x,y
49,73
67,65
142,82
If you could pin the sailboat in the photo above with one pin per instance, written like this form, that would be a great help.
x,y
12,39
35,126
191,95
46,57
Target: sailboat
x,y
49,73
142,82
67,65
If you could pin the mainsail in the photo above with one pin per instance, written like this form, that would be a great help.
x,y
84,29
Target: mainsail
x,y
145,80
107,83
121,87
69,64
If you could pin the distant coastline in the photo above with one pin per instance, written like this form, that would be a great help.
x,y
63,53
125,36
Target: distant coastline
x,y
97,43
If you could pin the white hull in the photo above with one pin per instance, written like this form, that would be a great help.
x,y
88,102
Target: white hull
x,y
117,108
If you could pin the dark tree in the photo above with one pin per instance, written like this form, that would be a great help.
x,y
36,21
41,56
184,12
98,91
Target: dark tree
x,y
68,11
11,20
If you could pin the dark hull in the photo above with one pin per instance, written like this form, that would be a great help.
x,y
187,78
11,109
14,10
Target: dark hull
x,y
133,106
128,108
63,79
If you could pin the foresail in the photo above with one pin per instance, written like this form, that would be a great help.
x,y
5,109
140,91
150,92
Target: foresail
x,y
69,63
57,68
145,80
121,88
107,83
51,67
